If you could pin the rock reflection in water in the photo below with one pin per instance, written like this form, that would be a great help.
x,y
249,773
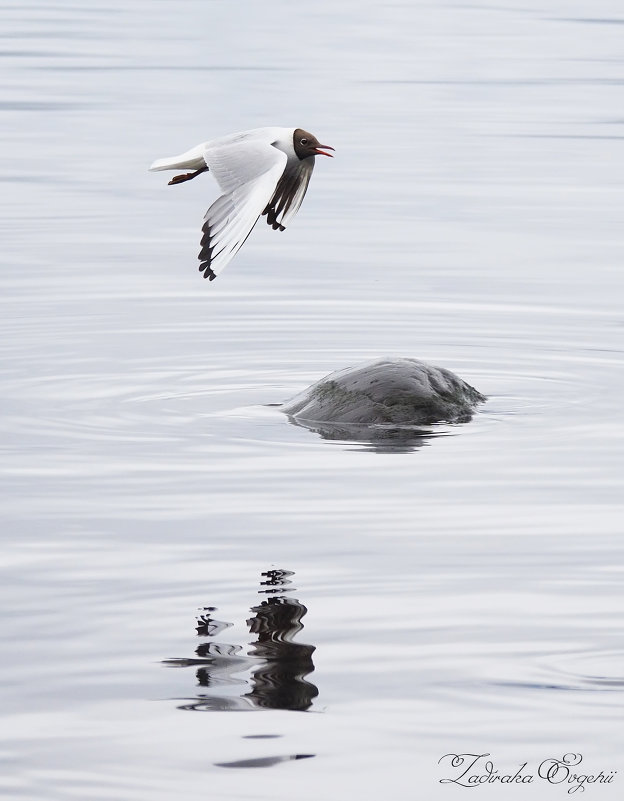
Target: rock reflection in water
x,y
382,439
278,665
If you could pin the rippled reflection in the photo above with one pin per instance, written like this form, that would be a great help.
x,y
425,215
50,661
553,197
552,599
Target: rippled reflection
x,y
277,666
262,762
382,439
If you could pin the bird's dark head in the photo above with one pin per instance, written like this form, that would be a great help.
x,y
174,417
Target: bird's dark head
x,y
306,145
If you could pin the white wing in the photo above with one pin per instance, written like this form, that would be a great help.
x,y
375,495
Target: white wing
x,y
289,194
248,173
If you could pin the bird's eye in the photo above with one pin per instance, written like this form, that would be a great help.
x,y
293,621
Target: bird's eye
x,y
304,141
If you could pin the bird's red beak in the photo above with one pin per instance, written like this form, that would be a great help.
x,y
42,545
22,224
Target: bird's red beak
x,y
320,152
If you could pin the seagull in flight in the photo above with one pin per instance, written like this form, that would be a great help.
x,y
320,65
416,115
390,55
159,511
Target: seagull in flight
x,y
265,171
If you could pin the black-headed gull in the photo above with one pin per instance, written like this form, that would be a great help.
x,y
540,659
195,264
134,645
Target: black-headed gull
x,y
263,171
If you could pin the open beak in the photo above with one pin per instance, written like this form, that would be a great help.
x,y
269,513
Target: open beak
x,y
320,152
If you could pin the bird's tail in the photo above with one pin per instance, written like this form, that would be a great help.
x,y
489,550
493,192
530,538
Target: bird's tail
x,y
191,160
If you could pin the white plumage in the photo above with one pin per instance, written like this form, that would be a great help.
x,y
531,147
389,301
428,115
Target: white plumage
x,y
263,171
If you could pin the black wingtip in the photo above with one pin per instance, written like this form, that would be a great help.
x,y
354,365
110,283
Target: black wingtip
x,y
205,254
205,268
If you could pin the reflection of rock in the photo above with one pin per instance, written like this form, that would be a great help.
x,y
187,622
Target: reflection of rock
x,y
379,438
386,393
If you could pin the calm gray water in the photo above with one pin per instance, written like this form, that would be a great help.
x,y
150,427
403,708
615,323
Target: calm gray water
x,y
461,594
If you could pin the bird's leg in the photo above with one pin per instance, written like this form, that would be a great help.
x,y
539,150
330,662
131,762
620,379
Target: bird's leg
x,y
178,179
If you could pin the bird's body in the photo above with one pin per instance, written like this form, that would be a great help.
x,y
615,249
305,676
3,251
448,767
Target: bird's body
x,y
262,171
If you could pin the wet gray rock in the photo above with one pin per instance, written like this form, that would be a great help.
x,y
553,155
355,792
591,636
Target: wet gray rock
x,y
387,393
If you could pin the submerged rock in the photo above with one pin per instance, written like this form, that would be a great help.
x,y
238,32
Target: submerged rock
x,y
386,393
